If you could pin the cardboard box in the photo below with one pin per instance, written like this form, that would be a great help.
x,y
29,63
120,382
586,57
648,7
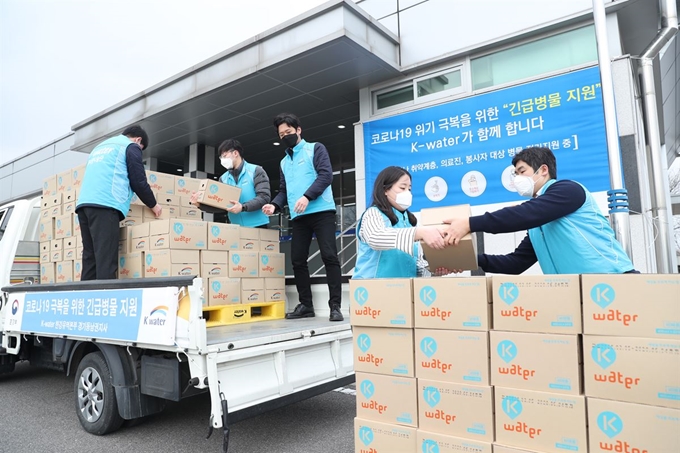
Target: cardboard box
x,y
268,234
69,208
249,233
136,211
69,254
546,422
252,290
131,221
534,361
461,410
50,201
64,271
165,199
462,256
63,226
49,186
498,448
274,289
223,291
537,303
137,202
45,252
123,247
137,231
47,272
384,350
56,244
452,356
69,243
164,263
190,213
76,225
385,302
428,442
376,437
250,244
214,264
186,186
178,234
243,264
388,399
167,212
636,370
271,247
64,181
626,427
68,198
223,236
131,265
46,229
79,253
77,174
272,265
612,305
435,307
162,183
77,270
45,213
214,196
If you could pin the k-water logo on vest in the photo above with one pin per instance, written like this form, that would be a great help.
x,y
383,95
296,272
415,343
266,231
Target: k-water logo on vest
x,y
604,355
428,346
509,293
428,295
507,351
512,406
368,390
432,397
361,297
364,344
603,295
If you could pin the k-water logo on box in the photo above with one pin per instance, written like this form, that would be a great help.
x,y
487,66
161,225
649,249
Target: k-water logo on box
x,y
512,406
509,293
432,397
605,355
364,344
361,296
430,446
368,390
366,437
428,295
428,346
603,295
507,351
612,426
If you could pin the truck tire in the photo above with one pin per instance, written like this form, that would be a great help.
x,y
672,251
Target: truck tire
x,y
95,397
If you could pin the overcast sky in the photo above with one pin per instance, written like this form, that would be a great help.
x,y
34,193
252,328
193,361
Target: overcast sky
x,y
62,61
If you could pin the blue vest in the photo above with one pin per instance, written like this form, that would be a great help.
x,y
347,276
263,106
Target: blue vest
x,y
246,181
385,263
579,243
106,181
300,175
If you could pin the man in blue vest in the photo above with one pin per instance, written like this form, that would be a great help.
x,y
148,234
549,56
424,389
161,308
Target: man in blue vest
x,y
306,177
567,232
253,182
113,173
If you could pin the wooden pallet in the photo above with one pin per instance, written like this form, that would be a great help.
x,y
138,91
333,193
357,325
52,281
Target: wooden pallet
x,y
222,315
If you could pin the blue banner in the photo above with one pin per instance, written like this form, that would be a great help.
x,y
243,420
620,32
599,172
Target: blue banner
x,y
461,152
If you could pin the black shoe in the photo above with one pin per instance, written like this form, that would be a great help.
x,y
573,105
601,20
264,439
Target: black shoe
x,y
301,311
335,314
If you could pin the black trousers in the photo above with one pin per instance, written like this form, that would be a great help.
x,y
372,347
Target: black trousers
x,y
100,231
323,225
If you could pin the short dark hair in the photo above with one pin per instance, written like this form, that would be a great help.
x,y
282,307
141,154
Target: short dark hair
x,y
537,156
384,182
287,118
137,131
230,144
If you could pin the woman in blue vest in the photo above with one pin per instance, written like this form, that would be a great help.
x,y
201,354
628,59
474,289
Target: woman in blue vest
x,y
387,233
253,182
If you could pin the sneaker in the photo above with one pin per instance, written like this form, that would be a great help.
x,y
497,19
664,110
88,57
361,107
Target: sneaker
x,y
301,311
335,314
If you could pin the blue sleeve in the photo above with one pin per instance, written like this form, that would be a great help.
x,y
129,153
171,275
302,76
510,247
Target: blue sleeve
x,y
324,172
137,175
560,199
513,263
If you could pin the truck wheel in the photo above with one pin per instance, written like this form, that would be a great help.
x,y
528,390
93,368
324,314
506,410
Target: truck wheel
x,y
95,397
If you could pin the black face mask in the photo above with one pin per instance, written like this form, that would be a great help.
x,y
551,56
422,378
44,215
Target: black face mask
x,y
290,140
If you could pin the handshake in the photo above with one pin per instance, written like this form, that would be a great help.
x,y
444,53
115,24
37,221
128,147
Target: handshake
x,y
439,237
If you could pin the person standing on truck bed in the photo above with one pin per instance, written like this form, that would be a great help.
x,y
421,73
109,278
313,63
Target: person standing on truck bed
x,y
306,177
114,171
251,179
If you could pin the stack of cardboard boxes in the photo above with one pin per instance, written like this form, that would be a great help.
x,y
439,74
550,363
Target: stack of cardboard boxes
x,y
578,363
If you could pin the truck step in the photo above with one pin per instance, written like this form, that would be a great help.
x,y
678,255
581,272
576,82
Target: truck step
x,y
222,315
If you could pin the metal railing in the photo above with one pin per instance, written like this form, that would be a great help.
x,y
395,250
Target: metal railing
x,y
341,255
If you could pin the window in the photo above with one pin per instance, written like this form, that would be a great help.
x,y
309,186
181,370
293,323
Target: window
x,y
394,97
4,220
442,82
546,55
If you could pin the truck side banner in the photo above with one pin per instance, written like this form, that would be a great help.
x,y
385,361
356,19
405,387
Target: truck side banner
x,y
461,152
136,315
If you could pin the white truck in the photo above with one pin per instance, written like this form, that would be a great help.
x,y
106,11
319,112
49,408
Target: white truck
x,y
133,344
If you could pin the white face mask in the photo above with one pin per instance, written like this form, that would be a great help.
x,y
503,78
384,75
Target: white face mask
x,y
227,162
404,199
524,185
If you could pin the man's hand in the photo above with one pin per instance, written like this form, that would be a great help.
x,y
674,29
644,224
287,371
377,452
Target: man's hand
x,y
457,229
157,210
301,205
236,207
442,271
194,199
432,236
268,209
